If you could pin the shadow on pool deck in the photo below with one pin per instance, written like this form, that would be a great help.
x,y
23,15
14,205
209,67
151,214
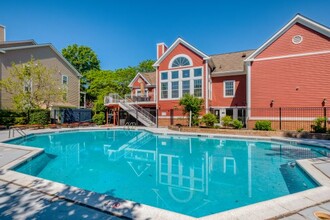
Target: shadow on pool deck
x,y
17,202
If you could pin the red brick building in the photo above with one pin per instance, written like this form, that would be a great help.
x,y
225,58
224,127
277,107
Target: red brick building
x,y
292,69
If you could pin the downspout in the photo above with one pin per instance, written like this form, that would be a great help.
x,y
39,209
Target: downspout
x,y
207,87
248,90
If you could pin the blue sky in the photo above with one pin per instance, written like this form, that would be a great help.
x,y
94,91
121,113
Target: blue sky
x,y
124,32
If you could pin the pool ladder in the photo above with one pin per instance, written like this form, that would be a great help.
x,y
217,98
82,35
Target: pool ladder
x,y
18,130
129,125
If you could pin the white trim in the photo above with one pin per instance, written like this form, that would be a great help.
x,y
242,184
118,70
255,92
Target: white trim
x,y
224,89
226,107
67,80
301,39
290,56
229,73
146,92
180,79
248,87
171,48
206,81
45,45
136,77
276,118
297,19
177,56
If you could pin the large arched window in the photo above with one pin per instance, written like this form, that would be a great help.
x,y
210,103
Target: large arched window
x,y
180,61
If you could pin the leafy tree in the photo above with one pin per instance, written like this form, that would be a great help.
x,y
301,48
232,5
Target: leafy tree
x,y
32,86
103,82
83,58
193,104
146,66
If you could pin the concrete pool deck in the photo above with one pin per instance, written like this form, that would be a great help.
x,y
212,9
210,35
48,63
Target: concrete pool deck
x,y
23,196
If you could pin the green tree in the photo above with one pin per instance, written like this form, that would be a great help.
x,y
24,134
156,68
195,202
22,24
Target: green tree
x,y
103,82
84,59
32,86
193,104
146,66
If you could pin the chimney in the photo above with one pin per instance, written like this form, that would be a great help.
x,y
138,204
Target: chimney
x,y
2,33
161,48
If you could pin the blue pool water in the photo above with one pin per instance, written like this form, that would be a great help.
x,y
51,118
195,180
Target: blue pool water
x,y
195,176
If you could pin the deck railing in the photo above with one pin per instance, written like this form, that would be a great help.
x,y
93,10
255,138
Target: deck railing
x,y
114,98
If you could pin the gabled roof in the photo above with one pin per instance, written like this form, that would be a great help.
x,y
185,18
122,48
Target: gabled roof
x,y
176,43
297,19
150,78
43,45
230,62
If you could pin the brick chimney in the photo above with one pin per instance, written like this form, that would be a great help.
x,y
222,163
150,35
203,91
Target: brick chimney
x,y
161,48
2,33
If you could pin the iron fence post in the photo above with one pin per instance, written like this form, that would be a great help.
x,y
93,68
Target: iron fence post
x,y
325,118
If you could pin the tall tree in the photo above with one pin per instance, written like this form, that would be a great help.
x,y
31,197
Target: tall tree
x,y
32,85
146,66
83,58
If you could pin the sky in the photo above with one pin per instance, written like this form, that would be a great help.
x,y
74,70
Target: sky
x,y
125,32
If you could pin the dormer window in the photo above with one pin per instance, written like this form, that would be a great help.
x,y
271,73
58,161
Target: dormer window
x,y
180,60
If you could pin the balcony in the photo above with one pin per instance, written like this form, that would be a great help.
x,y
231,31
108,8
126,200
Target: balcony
x,y
114,98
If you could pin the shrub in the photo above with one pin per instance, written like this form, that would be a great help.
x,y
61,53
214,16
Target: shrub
x,y
318,126
263,125
209,119
99,118
8,117
237,124
226,120
39,117
300,130
20,120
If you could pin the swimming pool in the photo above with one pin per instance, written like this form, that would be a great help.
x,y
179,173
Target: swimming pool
x,y
196,176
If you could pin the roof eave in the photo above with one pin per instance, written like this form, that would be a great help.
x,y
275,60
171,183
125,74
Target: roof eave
x,y
177,42
46,45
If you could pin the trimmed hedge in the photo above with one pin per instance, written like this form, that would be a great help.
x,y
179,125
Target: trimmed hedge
x,y
9,118
263,125
40,117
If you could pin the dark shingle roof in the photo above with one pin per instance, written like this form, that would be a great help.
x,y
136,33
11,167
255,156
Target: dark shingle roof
x,y
230,62
151,77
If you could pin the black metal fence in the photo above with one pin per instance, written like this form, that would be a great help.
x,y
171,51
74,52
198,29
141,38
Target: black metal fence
x,y
283,118
71,115
290,118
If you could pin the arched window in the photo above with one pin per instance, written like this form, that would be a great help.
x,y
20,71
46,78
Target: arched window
x,y
180,61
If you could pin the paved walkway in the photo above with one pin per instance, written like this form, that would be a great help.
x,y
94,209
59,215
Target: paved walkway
x,y
17,202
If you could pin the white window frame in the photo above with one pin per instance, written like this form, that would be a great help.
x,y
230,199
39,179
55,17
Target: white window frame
x,y
224,89
177,56
191,79
146,92
168,89
67,80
